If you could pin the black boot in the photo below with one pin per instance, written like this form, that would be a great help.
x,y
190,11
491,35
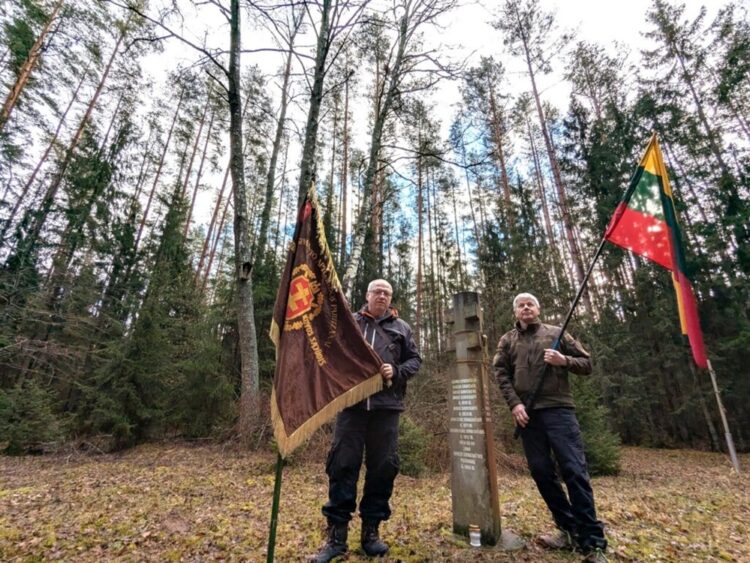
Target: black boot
x,y
335,546
371,542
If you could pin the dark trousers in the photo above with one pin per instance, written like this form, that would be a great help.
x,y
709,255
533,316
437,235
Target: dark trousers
x,y
358,433
556,431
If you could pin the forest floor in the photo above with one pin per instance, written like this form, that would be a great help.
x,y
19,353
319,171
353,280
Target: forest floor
x,y
167,502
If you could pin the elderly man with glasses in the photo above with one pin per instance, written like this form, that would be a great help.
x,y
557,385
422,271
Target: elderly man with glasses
x,y
369,429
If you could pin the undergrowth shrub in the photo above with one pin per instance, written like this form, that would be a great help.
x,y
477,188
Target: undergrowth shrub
x,y
27,419
601,444
413,442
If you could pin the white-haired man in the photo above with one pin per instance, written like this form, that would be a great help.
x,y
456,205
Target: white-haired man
x,y
370,429
524,355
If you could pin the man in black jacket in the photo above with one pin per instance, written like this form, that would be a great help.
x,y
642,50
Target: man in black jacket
x,y
370,429
524,355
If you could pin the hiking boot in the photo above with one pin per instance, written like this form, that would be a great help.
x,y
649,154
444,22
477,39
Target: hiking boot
x,y
371,542
595,556
335,546
559,539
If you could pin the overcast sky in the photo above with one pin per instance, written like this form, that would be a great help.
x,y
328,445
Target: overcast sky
x,y
599,21
469,31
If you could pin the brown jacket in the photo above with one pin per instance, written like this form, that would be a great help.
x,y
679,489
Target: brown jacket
x,y
519,363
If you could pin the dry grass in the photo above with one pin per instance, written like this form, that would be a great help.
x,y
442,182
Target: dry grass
x,y
203,503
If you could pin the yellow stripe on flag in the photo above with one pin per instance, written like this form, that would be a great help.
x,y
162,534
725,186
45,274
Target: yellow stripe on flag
x,y
680,304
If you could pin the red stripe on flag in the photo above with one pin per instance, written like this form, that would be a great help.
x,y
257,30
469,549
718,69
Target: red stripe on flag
x,y
689,312
642,233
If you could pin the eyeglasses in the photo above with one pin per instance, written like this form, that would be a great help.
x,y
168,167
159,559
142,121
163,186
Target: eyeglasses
x,y
381,292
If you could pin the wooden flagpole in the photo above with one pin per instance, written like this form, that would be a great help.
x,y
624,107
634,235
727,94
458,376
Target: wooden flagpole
x,y
722,412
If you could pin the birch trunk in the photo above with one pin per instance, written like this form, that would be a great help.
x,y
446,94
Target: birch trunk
x,y
247,340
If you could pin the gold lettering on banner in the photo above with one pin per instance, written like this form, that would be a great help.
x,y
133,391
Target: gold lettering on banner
x,y
305,302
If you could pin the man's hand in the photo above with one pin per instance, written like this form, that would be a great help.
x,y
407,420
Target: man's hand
x,y
555,358
386,370
520,415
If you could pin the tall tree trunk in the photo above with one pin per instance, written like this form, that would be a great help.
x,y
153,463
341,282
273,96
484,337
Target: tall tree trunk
x,y
195,144
159,168
144,168
248,346
198,176
282,194
40,218
43,159
307,165
459,243
73,235
344,171
420,260
432,205
211,226
496,125
26,68
265,216
111,125
373,164
475,224
329,215
563,202
215,244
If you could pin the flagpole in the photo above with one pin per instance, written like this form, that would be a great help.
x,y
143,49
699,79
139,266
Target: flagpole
x,y
722,412
275,509
580,293
531,399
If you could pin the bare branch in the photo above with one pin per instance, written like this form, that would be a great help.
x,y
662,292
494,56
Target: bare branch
x,y
210,55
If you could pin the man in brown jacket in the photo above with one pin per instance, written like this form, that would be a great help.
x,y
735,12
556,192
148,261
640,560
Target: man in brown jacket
x,y
523,354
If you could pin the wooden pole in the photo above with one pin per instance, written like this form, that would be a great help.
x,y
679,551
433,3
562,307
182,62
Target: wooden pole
x,y
722,412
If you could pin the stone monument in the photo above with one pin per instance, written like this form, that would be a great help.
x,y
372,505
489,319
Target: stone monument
x,y
473,471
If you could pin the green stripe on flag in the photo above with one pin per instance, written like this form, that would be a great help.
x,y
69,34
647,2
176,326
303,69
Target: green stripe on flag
x,y
647,196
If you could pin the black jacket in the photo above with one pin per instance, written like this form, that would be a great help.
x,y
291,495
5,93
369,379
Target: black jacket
x,y
395,345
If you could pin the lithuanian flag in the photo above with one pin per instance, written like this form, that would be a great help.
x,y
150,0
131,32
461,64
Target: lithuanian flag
x,y
645,222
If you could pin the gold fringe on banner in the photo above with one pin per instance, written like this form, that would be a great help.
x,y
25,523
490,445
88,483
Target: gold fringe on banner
x,y
287,443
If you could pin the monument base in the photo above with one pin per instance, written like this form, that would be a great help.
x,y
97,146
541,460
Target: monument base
x,y
510,541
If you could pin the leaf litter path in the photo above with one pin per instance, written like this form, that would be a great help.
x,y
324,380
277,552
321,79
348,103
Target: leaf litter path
x,y
181,502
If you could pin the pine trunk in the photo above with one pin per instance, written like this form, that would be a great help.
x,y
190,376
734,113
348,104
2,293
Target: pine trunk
x,y
198,176
563,202
373,165
159,169
307,166
265,216
40,218
26,68
43,159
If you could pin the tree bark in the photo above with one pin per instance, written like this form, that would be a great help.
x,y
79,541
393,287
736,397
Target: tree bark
x,y
563,201
373,167
265,216
159,168
248,346
30,242
497,132
212,224
198,176
28,66
43,159
344,172
307,166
